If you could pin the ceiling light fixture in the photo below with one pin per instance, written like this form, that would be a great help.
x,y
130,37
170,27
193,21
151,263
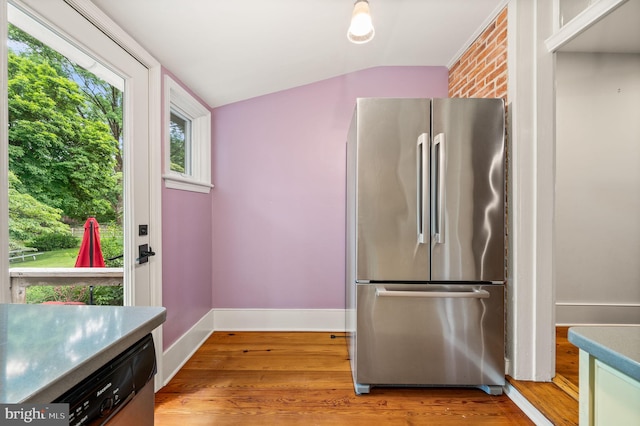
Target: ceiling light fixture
x,y
361,28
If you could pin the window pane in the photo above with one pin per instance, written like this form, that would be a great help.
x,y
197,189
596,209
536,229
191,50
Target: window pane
x,y
180,143
65,161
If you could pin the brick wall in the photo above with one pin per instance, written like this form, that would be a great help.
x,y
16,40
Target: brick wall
x,y
481,71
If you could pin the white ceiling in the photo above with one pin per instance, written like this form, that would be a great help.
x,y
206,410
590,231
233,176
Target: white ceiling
x,y
230,50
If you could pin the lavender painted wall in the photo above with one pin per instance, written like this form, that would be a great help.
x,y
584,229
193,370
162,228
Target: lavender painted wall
x,y
186,255
279,199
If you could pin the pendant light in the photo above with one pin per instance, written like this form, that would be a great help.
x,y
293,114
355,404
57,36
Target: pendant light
x,y
361,28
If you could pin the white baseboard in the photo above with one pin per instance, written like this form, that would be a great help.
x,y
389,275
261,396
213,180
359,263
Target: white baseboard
x,y
182,349
571,313
532,412
279,319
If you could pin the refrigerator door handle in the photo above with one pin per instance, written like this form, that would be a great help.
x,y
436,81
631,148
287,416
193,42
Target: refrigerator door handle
x,y
437,188
473,294
421,191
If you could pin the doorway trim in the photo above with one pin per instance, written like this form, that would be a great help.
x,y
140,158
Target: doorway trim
x,y
5,293
531,302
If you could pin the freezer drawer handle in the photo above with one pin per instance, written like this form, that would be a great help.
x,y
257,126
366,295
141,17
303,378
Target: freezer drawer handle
x,y
475,294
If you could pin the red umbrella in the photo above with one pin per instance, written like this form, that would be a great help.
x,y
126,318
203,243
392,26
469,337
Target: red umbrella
x,y
90,254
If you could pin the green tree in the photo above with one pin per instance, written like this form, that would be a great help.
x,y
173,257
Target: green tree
x,y
103,102
30,219
177,139
61,158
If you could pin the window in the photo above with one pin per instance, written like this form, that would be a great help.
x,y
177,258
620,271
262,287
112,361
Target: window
x,y
187,141
179,143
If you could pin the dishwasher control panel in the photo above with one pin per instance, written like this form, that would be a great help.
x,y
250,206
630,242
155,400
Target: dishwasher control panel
x,y
101,395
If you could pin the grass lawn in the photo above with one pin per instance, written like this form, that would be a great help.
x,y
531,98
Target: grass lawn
x,y
49,259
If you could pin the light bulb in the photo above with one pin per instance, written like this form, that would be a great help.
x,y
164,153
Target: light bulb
x,y
361,28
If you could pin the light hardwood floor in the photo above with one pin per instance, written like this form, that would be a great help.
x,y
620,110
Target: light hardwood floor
x,y
556,400
567,355
304,378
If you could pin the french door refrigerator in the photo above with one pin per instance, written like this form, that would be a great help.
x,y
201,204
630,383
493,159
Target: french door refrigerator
x,y
426,243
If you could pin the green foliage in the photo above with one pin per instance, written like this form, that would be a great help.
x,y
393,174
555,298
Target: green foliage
x,y
30,219
61,159
40,294
102,295
103,102
64,126
108,295
177,143
54,241
112,247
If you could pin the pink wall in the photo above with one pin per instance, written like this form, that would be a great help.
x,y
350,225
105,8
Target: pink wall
x,y
279,196
186,257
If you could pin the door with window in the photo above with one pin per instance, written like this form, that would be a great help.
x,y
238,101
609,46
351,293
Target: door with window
x,y
62,29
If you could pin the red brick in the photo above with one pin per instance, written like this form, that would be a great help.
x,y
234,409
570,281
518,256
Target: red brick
x,y
484,92
466,56
481,71
487,55
502,36
501,20
502,80
497,71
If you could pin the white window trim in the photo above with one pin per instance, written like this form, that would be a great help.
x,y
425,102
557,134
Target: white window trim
x,y
200,179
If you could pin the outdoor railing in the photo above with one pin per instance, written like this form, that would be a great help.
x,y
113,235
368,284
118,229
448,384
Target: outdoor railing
x,y
23,253
22,278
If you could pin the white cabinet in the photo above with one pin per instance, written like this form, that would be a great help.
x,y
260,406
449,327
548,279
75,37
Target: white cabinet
x,y
607,396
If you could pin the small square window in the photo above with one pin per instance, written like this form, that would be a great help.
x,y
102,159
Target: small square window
x,y
187,140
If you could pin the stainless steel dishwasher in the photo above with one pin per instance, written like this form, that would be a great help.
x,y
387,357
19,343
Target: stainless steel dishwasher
x,y
119,393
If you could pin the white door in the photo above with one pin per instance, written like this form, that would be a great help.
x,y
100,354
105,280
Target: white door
x,y
141,123
119,68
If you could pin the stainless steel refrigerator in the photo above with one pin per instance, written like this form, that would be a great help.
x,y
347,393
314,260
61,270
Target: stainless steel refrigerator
x,y
426,243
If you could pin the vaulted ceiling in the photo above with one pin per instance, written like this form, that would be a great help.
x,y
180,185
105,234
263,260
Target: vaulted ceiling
x,y
231,50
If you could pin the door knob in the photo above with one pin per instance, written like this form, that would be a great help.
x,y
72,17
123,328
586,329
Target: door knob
x,y
144,251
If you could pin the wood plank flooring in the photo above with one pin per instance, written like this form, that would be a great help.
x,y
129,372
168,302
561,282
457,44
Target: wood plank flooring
x,y
304,378
567,356
556,400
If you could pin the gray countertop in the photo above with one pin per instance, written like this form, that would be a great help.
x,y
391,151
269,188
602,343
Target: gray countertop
x,y
617,346
47,349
